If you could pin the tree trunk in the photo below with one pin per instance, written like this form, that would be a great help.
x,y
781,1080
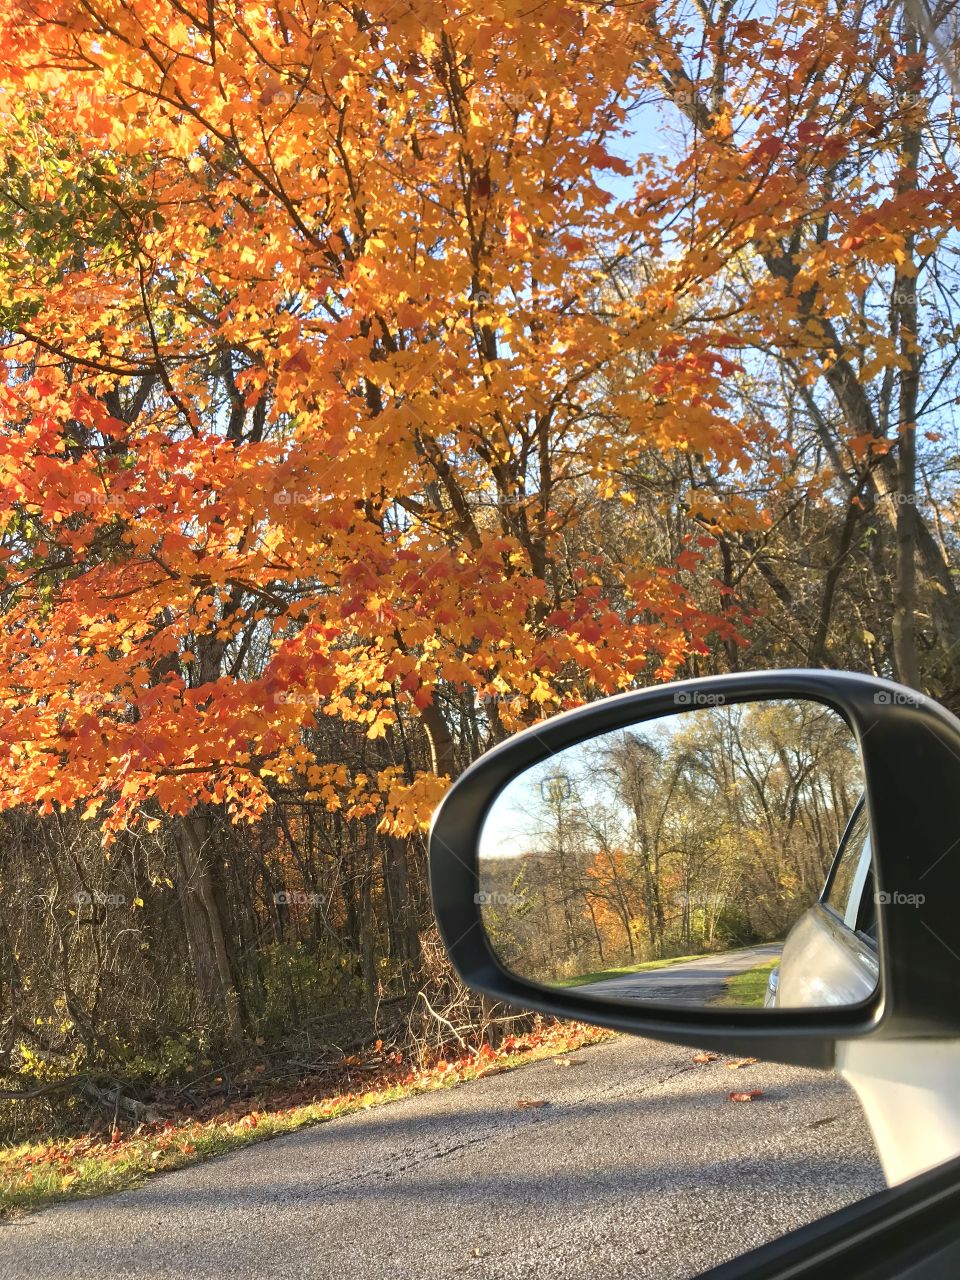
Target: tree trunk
x,y
402,909
442,759
905,319
203,924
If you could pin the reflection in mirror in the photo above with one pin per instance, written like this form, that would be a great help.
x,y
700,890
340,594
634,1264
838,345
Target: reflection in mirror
x,y
716,856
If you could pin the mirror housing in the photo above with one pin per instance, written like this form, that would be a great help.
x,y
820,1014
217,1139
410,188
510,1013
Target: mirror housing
x,y
910,751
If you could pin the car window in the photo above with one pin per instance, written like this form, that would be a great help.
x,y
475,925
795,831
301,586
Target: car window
x,y
852,866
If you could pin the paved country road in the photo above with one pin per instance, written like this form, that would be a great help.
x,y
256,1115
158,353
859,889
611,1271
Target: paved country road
x,y
692,982
639,1167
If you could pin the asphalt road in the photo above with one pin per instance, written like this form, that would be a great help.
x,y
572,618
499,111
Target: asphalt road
x,y
693,982
639,1166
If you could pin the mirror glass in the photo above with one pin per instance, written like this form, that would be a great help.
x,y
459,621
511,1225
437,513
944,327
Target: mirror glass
x,y
716,856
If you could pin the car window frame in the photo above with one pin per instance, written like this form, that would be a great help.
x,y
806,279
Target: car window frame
x,y
860,879
848,831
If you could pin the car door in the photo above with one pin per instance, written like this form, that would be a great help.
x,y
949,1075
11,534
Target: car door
x,y
899,1048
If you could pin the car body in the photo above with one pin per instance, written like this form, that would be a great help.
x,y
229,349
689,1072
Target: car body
x,y
830,956
887,911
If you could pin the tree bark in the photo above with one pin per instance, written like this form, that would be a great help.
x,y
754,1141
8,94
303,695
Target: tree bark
x,y
442,759
203,924
905,321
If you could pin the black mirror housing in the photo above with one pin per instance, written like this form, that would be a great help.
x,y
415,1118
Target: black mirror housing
x,y
910,751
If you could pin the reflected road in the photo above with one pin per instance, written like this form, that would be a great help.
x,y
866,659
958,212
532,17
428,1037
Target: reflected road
x,y
693,982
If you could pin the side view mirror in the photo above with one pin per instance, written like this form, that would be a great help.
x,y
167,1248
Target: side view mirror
x,y
760,863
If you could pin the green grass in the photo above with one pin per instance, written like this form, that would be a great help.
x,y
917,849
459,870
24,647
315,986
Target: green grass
x,y
584,979
36,1174
746,990
24,1186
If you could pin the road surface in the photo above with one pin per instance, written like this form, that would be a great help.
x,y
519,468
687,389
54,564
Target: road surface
x,y
639,1166
693,982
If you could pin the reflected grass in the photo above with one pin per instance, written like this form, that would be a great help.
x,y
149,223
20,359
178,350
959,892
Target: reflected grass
x,y
602,975
747,990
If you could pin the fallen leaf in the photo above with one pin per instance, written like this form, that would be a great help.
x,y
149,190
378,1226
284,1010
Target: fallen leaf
x,y
746,1097
704,1057
740,1062
532,1102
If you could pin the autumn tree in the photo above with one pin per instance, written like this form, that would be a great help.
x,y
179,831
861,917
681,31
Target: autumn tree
x,y
301,365
374,386
816,149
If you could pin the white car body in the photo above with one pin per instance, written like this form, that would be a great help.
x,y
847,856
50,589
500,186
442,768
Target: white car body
x,y
830,955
